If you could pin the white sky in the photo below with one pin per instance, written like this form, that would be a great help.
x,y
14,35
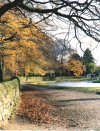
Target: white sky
x,y
87,43
95,52
61,25
93,46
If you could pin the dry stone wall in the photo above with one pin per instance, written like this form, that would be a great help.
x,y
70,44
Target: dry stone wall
x,y
9,99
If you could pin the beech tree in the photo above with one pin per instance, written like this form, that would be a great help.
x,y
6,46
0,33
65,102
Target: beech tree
x,y
24,49
75,67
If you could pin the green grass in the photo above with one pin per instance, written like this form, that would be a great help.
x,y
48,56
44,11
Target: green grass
x,y
39,80
96,81
34,80
65,79
81,89
85,89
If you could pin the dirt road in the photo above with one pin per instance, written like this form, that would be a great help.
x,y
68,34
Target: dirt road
x,y
76,110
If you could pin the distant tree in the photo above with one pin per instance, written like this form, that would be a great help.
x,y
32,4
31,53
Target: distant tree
x,y
90,68
97,70
62,50
76,56
75,67
88,57
88,61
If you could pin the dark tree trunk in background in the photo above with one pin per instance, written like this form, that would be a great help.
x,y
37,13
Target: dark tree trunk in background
x,y
1,69
1,75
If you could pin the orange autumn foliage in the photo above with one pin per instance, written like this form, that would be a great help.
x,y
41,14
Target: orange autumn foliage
x,y
35,108
75,67
24,52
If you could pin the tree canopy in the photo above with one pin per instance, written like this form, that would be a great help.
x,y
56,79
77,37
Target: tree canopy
x,y
88,57
82,15
88,61
75,67
76,56
24,48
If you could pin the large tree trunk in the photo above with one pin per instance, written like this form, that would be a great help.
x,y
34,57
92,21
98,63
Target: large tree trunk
x,y
1,75
1,69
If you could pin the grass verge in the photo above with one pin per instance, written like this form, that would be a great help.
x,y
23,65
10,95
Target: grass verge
x,y
40,80
96,81
81,89
68,79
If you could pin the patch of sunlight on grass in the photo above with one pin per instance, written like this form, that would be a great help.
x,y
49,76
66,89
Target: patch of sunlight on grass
x,y
82,89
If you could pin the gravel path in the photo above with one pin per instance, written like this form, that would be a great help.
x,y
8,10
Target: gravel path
x,y
76,110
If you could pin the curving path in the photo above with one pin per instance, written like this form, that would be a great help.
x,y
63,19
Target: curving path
x,y
76,110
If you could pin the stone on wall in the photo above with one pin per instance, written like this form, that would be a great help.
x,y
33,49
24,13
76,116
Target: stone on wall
x,y
9,99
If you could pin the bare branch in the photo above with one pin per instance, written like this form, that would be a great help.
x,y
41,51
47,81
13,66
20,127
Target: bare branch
x,y
84,15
